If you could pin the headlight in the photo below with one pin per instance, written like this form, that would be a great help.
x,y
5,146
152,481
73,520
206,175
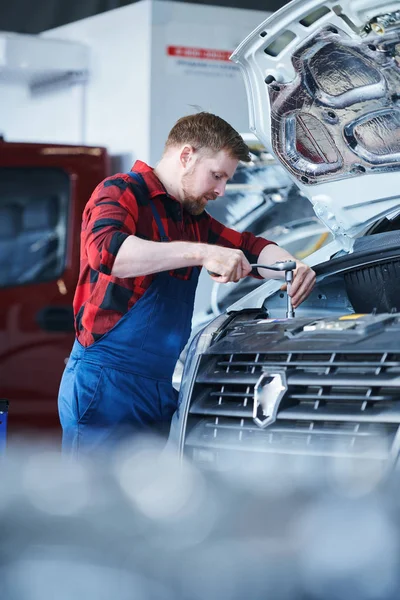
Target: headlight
x,y
198,346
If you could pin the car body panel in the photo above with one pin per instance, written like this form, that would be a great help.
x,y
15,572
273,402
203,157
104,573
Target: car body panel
x,y
324,97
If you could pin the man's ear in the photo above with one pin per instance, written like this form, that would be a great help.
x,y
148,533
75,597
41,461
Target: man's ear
x,y
186,156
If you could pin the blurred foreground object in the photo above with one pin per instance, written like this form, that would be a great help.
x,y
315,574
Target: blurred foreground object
x,y
140,524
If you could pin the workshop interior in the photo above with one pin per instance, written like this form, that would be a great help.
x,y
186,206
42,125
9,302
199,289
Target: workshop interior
x,y
276,473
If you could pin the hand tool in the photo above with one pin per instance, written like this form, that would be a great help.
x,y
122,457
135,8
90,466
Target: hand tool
x,y
288,266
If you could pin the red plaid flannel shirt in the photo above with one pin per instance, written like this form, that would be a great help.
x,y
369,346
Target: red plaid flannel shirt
x,y
117,210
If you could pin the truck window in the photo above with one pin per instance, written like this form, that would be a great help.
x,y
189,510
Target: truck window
x,y
33,224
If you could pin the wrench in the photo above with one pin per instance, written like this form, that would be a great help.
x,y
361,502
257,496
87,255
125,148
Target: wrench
x,y
288,266
284,265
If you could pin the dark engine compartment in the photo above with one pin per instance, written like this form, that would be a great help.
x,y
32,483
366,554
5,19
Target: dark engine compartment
x,y
371,272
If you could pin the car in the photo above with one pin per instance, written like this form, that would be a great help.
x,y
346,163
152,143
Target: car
x,y
323,84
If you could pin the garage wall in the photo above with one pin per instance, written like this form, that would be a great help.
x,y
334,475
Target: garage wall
x,y
113,109
117,103
23,16
180,84
55,118
138,87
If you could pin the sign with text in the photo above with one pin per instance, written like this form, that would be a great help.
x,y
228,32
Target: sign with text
x,y
206,62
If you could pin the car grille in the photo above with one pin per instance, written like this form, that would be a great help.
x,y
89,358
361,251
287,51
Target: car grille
x,y
336,404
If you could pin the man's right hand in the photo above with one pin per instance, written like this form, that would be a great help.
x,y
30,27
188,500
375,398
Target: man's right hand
x,y
225,264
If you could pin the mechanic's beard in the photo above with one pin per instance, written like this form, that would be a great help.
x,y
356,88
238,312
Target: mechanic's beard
x,y
194,205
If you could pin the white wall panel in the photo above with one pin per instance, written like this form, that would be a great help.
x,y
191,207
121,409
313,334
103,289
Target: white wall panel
x,y
51,118
136,90
117,108
179,85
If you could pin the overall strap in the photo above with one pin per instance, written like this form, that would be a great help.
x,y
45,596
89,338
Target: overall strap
x,y
140,181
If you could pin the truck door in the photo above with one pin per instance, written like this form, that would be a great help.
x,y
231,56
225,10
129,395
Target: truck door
x,y
40,212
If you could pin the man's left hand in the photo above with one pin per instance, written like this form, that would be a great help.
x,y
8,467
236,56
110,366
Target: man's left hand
x,y
302,285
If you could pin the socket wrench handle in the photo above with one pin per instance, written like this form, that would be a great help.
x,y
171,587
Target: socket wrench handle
x,y
282,265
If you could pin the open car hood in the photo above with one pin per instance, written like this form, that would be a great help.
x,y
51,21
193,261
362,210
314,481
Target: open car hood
x,y
323,85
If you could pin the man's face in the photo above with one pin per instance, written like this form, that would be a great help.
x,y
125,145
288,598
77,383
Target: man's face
x,y
205,179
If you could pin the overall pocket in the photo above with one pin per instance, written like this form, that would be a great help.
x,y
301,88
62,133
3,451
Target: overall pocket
x,y
88,381
168,328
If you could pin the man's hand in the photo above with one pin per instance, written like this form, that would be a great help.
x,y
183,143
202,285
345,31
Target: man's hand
x,y
225,264
303,276
302,285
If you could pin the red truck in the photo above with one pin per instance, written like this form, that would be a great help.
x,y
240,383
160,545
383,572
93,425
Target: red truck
x,y
43,191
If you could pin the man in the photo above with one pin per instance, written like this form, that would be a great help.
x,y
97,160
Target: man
x,y
145,236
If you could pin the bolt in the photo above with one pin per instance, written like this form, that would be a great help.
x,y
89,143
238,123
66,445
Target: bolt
x,y
378,28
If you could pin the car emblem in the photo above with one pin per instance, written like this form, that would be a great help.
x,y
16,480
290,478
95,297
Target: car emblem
x,y
268,393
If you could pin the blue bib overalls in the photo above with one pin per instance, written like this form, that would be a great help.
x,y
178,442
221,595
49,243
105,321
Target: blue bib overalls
x,y
122,383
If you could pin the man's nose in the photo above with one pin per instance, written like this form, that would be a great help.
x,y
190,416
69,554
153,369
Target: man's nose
x,y
220,188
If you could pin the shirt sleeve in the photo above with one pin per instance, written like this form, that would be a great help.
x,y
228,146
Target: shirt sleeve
x,y
247,242
109,218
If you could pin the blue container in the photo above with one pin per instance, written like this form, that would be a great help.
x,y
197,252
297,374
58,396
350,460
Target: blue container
x,y
3,424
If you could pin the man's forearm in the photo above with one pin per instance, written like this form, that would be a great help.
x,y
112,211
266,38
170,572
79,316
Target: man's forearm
x,y
268,256
142,257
